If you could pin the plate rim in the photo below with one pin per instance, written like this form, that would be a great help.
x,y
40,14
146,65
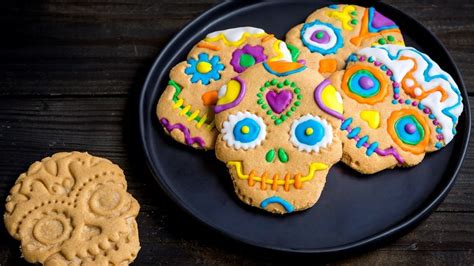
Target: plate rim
x,y
406,224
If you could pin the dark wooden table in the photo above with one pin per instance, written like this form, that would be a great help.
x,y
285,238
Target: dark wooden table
x,y
70,75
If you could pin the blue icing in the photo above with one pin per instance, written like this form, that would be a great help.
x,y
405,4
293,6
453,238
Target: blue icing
x,y
428,78
315,49
353,132
254,130
275,199
371,148
372,29
205,78
346,123
333,6
316,136
362,141
413,138
355,87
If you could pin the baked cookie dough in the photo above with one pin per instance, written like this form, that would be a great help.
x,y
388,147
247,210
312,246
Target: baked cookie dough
x,y
73,209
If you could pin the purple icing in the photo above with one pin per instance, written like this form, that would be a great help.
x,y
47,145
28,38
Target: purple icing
x,y
324,39
278,101
366,83
380,21
187,135
220,108
319,101
410,128
255,51
386,152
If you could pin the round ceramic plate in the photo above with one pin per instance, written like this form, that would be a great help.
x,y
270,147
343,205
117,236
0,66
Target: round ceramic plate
x,y
353,211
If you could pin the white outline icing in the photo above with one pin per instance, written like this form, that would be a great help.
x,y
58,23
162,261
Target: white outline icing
x,y
235,34
228,131
326,46
323,143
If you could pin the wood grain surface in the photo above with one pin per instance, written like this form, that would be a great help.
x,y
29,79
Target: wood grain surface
x,y
70,74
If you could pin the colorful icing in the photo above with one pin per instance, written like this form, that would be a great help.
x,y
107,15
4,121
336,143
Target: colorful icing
x,y
204,69
409,68
379,22
372,117
235,134
374,24
365,84
409,130
328,99
282,68
235,36
318,136
345,16
282,155
230,95
330,42
246,57
293,179
277,101
294,51
209,98
185,110
270,156
275,199
327,65
187,135
282,51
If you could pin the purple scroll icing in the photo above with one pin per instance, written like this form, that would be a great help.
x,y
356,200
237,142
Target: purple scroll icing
x,y
222,107
319,101
187,135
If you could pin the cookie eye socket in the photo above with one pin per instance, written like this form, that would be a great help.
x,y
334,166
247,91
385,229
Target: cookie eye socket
x,y
365,84
320,37
244,130
409,130
310,133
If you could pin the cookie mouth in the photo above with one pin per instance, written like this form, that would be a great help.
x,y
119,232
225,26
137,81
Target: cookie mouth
x,y
266,179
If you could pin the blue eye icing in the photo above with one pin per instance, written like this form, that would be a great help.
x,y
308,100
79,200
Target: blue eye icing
x,y
246,130
309,132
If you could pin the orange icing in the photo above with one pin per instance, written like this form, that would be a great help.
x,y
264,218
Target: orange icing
x,y
327,65
420,147
208,46
282,66
364,31
374,71
209,98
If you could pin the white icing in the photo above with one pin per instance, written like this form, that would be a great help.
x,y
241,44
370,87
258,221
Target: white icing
x,y
323,143
417,91
235,34
339,97
228,131
409,82
222,91
286,52
326,46
401,67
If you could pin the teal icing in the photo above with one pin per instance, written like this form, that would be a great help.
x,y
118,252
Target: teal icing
x,y
275,199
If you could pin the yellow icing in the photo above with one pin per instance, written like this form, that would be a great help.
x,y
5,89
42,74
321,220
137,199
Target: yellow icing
x,y
330,98
245,129
343,16
371,117
309,131
204,67
242,39
231,93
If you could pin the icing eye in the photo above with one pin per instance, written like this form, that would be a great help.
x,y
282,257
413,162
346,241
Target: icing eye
x,y
309,133
244,130
320,37
409,130
364,84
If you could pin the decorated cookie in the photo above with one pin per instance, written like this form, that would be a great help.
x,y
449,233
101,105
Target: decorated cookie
x,y
73,209
399,104
185,108
278,136
331,34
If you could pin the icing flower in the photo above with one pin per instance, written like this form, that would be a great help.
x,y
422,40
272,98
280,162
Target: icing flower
x,y
204,69
247,57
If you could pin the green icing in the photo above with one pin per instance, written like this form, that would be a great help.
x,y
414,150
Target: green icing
x,y
247,60
282,155
270,156
295,52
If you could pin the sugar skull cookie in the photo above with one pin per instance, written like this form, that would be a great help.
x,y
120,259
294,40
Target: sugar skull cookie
x,y
185,108
277,137
399,104
330,34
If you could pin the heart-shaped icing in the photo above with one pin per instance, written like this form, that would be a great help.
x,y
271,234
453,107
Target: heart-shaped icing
x,y
279,101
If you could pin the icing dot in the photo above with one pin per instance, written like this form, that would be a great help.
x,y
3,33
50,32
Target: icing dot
x,y
377,63
394,101
382,41
366,83
245,129
371,59
204,67
431,116
440,137
309,131
390,38
396,96
362,58
426,111
400,100
354,13
435,122
407,101
414,103
354,22
438,145
247,60
389,72
396,90
418,91
409,82
321,36
410,128
396,84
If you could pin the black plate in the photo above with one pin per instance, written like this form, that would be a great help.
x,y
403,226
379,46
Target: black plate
x,y
354,209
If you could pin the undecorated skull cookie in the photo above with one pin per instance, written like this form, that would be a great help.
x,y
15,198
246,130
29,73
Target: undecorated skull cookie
x,y
398,106
73,209
185,108
330,34
277,137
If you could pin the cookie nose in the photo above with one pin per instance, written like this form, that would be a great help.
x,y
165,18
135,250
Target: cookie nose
x,y
282,155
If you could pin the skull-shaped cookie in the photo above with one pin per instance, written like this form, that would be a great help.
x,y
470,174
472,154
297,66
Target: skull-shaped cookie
x,y
73,209
185,108
398,106
330,34
278,134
